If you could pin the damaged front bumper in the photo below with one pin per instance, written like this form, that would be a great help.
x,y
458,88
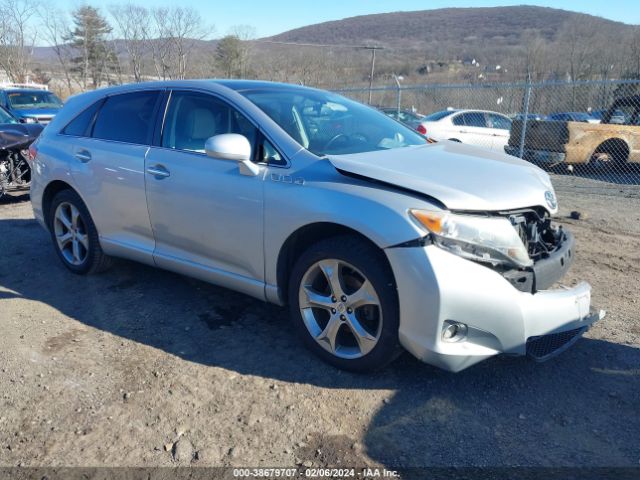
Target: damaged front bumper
x,y
436,287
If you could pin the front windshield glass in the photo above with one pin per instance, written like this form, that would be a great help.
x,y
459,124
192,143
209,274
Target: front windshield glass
x,y
33,99
6,118
328,124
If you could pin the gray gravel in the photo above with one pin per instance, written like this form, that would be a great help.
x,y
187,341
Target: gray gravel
x,y
143,367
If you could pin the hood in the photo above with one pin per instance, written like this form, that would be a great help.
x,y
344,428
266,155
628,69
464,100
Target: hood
x,y
18,135
36,112
460,176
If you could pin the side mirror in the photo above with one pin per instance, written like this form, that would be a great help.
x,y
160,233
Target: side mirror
x,y
232,146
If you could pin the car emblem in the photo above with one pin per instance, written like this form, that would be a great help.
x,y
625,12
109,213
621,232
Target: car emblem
x,y
550,197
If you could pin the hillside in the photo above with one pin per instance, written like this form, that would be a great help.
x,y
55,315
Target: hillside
x,y
495,26
430,46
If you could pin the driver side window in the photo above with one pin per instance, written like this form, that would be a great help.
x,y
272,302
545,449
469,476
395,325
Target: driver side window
x,y
194,117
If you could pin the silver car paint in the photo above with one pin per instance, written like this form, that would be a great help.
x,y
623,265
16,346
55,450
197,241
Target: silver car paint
x,y
458,175
229,229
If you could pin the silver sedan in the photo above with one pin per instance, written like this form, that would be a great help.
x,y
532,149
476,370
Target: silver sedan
x,y
375,239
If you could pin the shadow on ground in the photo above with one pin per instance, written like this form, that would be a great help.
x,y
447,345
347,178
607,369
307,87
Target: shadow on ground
x,y
579,409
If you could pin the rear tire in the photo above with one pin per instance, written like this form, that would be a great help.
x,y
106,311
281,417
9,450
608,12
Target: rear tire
x,y
344,304
74,235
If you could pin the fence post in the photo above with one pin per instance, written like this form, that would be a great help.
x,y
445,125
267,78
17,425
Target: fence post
x,y
398,78
525,120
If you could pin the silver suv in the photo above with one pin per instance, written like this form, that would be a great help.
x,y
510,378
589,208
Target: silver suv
x,y
374,238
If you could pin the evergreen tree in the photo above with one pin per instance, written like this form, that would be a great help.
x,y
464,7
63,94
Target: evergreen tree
x,y
231,55
88,39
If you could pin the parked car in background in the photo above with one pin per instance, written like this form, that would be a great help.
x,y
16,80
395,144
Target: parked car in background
x,y
572,117
30,102
409,118
15,138
373,237
610,142
529,116
617,116
476,127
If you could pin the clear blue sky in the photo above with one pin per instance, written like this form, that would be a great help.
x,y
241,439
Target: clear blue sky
x,y
274,16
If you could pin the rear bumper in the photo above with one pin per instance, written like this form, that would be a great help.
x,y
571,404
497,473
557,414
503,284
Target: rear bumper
x,y
435,286
544,157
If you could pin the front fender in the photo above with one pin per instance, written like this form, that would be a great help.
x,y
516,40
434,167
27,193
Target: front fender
x,y
326,196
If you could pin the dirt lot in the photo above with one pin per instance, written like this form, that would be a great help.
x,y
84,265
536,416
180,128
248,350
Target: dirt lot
x,y
143,367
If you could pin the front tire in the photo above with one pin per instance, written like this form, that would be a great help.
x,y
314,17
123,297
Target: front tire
x,y
344,304
74,235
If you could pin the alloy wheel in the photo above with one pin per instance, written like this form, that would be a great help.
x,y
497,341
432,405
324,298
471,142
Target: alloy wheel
x,y
340,308
71,234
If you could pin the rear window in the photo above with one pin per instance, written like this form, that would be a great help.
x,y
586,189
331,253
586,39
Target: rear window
x,y
81,125
435,116
127,118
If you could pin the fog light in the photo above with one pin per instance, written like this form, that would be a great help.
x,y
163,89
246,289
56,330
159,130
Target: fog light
x,y
453,331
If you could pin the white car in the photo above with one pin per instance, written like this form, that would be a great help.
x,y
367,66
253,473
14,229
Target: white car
x,y
475,127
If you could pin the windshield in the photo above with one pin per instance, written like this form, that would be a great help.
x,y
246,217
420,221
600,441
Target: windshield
x,y
33,99
6,118
328,124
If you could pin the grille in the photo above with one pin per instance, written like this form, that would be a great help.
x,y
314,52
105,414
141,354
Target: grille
x,y
544,347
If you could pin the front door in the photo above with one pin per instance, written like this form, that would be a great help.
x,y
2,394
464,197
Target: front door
x,y
206,216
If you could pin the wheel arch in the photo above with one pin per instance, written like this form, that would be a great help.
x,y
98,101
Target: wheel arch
x,y
50,191
614,146
301,239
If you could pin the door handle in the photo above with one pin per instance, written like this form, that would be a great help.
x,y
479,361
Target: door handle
x,y
158,171
83,155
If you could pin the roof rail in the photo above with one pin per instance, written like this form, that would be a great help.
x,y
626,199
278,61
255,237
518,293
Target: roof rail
x,y
35,86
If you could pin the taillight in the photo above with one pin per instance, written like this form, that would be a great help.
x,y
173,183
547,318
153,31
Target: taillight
x,y
421,129
33,151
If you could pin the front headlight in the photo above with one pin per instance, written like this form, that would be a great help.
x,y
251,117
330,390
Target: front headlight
x,y
486,239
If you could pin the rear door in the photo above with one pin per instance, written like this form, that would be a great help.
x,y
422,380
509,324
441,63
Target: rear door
x,y
108,168
475,130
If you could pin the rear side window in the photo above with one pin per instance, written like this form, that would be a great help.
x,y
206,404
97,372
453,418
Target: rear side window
x,y
127,118
81,125
474,119
458,120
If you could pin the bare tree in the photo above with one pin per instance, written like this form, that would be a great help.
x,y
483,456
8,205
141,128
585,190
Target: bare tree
x,y
54,29
133,25
177,31
16,37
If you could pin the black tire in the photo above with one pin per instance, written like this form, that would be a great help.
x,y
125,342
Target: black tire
x,y
95,260
372,263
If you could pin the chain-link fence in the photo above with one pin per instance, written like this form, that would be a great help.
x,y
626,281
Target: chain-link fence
x,y
587,132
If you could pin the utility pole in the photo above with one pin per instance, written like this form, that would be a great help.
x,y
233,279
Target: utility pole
x,y
373,68
337,45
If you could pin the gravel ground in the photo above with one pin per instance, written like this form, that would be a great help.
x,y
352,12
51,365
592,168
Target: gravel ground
x,y
141,367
